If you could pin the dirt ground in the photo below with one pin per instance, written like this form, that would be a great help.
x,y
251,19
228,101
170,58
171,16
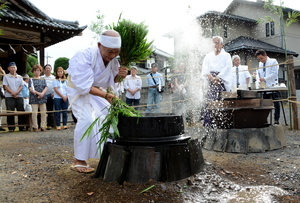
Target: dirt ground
x,y
35,167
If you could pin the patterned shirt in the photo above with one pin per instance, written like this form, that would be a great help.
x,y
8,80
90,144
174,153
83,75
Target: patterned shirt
x,y
38,85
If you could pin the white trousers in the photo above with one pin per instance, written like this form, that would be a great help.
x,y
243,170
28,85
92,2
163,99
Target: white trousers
x,y
27,106
86,108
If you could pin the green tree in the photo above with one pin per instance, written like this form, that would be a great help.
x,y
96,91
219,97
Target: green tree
x,y
61,62
31,61
2,6
97,26
285,20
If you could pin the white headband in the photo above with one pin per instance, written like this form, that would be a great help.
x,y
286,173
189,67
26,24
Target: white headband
x,y
110,42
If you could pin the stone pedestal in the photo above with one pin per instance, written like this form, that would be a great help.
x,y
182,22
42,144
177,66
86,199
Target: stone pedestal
x,y
245,140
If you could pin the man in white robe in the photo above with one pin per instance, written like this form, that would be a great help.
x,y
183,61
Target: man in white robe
x,y
217,69
91,71
217,65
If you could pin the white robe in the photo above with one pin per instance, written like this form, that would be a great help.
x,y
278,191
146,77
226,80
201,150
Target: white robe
x,y
219,63
86,69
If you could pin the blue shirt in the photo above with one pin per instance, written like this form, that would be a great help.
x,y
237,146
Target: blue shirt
x,y
158,77
62,88
25,90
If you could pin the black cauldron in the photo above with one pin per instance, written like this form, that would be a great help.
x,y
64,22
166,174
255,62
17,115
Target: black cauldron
x,y
151,128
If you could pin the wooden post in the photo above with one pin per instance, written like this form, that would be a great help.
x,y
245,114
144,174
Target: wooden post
x,y
42,50
293,97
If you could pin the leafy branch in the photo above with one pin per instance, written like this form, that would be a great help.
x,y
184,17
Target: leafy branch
x,y
116,109
292,16
97,26
135,47
3,6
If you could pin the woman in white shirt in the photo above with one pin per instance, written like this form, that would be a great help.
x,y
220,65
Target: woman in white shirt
x,y
60,98
133,86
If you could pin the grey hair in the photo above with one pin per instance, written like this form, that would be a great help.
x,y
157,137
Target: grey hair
x,y
218,37
235,56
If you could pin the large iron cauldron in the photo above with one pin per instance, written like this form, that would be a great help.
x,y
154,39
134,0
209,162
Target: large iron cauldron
x,y
151,128
150,147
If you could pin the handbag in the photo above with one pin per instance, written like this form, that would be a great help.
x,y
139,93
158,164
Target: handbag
x,y
162,89
1,93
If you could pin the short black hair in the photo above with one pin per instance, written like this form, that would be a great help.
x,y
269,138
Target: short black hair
x,y
47,65
260,52
154,65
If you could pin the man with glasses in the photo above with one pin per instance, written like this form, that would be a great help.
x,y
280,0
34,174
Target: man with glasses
x,y
49,94
217,70
91,72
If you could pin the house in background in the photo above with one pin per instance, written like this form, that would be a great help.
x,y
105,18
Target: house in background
x,y
158,56
144,68
243,35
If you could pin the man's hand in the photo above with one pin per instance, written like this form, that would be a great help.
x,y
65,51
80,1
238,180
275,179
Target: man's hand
x,y
109,97
65,98
122,72
14,94
214,80
262,79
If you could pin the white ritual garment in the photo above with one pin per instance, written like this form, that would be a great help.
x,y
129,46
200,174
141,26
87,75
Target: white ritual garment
x,y
243,75
86,69
219,63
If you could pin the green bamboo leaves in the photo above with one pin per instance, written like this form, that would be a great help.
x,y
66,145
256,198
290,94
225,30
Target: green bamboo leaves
x,y
135,47
116,109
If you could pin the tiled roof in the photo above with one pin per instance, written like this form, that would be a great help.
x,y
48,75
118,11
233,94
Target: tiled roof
x,y
217,14
243,42
7,13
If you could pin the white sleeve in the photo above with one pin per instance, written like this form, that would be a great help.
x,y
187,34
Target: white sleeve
x,y
81,72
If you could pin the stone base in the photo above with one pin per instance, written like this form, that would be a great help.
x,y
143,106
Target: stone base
x,y
245,140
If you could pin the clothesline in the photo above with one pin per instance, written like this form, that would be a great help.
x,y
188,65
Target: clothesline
x,y
162,103
289,61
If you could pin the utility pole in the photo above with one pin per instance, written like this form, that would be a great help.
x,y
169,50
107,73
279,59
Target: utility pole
x,y
47,57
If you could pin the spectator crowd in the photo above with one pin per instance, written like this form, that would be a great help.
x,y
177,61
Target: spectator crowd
x,y
40,95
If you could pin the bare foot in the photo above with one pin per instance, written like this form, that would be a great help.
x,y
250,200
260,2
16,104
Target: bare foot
x,y
82,166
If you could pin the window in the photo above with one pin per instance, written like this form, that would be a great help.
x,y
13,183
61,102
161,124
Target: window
x,y
272,28
225,30
267,29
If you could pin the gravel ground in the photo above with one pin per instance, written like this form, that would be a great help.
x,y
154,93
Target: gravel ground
x,y
35,167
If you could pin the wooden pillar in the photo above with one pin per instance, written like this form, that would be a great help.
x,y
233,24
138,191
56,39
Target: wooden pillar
x,y
42,50
293,97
